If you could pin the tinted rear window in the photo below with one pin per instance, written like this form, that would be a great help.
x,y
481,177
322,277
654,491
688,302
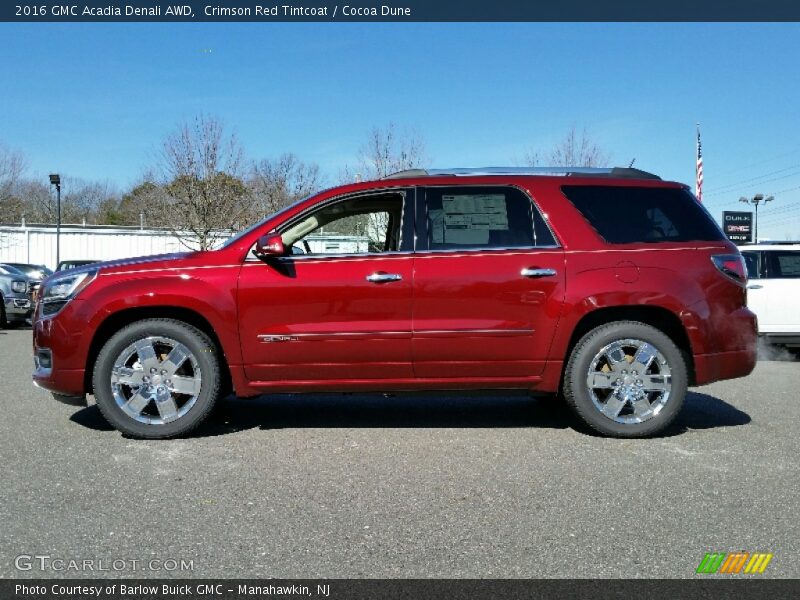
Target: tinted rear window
x,y
626,215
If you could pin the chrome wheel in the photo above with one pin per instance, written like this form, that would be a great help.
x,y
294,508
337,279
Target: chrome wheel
x,y
156,380
629,381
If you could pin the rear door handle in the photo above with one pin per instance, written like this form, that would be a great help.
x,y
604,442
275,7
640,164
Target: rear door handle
x,y
536,273
383,277
754,286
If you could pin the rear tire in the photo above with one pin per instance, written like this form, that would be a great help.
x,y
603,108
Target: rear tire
x,y
626,379
157,378
3,320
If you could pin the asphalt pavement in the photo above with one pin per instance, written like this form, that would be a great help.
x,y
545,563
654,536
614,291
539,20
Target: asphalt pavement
x,y
405,486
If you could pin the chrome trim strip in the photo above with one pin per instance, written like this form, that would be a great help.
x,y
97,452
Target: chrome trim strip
x,y
360,255
495,250
653,249
269,338
473,332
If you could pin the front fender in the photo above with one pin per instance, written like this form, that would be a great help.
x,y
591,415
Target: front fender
x,y
209,292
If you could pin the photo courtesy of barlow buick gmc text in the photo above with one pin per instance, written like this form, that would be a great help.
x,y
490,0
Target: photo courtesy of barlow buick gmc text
x,y
399,301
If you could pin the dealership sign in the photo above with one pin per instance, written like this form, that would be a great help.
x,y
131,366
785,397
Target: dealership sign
x,y
738,226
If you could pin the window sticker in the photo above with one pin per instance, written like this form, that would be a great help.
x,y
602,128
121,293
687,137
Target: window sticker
x,y
436,221
468,218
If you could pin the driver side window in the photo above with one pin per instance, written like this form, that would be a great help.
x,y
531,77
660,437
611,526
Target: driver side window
x,y
363,225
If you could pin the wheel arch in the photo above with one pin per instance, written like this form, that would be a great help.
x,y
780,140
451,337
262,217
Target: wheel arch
x,y
659,317
122,318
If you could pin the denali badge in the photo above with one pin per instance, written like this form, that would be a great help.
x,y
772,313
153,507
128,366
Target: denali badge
x,y
268,339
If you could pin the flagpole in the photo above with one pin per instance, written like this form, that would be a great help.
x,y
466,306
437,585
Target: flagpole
x,y
698,169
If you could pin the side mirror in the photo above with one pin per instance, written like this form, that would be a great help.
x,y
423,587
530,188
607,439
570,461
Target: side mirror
x,y
270,245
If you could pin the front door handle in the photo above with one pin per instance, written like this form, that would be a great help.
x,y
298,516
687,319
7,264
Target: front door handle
x,y
754,286
381,277
536,273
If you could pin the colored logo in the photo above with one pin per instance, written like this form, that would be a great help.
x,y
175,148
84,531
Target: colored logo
x,y
734,563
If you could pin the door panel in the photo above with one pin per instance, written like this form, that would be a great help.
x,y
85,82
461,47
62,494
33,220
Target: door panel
x,y
488,284
317,318
476,315
305,318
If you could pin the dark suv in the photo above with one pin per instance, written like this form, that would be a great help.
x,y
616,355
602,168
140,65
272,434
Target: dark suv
x,y
609,286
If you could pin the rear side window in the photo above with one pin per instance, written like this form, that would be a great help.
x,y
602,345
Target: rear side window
x,y
782,264
483,217
627,215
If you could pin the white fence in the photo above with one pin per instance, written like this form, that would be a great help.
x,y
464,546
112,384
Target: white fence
x,y
37,244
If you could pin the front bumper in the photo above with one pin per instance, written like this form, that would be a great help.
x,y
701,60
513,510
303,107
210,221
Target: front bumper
x,y
60,346
18,308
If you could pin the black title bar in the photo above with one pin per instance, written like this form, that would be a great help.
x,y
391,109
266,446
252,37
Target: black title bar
x,y
401,11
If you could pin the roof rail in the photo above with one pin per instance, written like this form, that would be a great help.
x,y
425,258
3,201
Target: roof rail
x,y
622,172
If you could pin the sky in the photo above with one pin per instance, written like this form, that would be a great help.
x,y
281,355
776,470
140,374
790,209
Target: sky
x,y
95,100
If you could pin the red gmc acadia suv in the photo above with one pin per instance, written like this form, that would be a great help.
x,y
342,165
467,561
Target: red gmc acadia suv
x,y
609,286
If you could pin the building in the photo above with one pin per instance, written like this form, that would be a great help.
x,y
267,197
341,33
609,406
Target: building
x,y
36,244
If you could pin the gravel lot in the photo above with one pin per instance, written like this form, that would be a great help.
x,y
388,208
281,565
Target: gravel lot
x,y
404,486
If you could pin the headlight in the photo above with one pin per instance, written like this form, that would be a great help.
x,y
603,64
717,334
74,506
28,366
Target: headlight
x,y
61,290
19,287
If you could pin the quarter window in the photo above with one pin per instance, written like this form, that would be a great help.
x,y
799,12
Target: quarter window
x,y
482,217
631,214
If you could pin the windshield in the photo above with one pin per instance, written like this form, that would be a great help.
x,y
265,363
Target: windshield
x,y
36,271
9,270
255,226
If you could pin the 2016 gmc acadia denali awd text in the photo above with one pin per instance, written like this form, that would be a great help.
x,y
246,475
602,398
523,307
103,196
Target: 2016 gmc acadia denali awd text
x,y
610,287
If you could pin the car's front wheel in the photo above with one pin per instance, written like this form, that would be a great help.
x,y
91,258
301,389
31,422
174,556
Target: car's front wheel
x,y
157,378
626,379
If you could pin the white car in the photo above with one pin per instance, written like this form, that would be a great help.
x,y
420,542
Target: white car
x,y
773,290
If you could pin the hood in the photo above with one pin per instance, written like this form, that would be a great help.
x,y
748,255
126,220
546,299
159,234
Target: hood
x,y
122,262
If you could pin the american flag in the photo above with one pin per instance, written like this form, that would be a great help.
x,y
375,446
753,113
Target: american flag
x,y
698,186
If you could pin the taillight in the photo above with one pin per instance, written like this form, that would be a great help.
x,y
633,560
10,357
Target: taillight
x,y
731,265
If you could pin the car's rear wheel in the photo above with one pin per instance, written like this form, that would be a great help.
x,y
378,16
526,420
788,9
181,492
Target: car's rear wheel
x,y
626,379
3,320
157,378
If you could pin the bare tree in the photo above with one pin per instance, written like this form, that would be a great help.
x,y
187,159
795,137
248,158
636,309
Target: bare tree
x,y
12,166
201,173
36,201
576,149
81,200
277,183
387,151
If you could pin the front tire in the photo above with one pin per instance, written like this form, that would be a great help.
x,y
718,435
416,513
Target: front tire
x,y
626,379
157,378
